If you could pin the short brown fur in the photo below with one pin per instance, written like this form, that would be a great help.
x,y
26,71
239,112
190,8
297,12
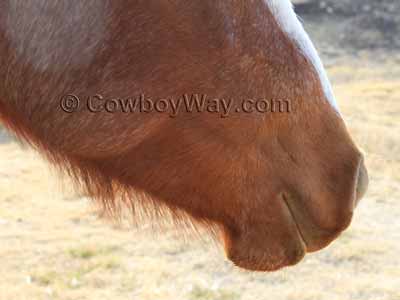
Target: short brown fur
x,y
278,185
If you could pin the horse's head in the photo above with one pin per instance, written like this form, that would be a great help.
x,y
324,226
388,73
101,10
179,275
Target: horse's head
x,y
278,184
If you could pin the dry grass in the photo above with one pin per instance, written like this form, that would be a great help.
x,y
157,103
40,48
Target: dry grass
x,y
53,246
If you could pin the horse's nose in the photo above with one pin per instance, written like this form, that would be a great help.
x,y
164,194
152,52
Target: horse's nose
x,y
320,236
362,182
323,218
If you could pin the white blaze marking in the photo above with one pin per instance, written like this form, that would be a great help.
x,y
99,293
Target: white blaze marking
x,y
287,19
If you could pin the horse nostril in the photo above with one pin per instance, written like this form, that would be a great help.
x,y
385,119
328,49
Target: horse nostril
x,y
362,182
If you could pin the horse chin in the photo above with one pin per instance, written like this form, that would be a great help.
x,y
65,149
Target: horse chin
x,y
260,248
272,259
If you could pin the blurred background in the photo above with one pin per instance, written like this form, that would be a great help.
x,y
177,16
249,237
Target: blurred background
x,y
54,246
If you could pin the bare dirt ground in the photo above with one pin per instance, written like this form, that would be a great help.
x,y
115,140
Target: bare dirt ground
x,y
54,246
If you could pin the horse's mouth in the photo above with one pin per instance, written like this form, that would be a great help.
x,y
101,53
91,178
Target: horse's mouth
x,y
293,217
298,223
313,237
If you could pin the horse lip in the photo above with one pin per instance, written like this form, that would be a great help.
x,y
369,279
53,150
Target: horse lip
x,y
299,231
